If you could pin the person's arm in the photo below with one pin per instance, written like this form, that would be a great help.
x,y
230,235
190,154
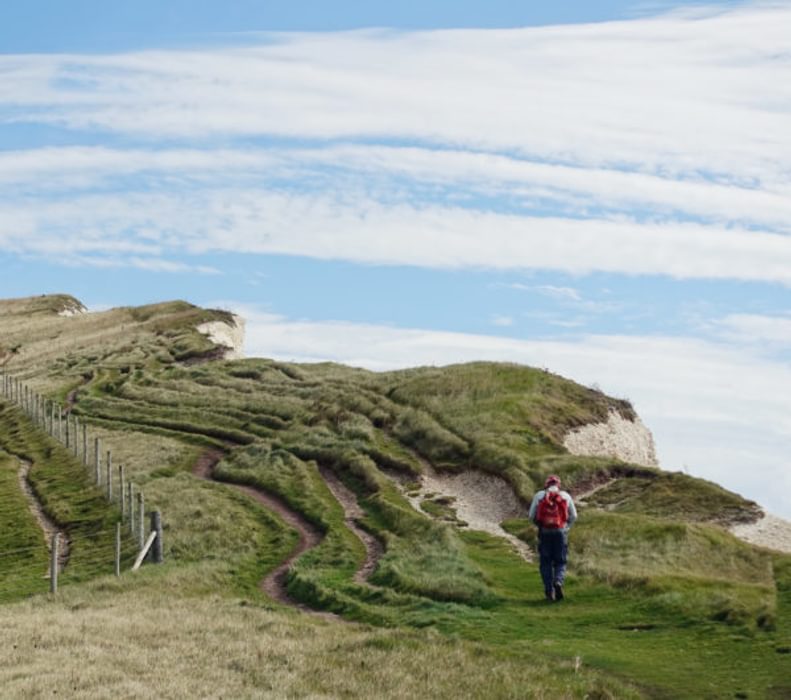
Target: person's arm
x,y
572,510
534,506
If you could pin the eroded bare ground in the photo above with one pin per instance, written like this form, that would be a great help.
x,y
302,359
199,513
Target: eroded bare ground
x,y
47,525
274,583
352,515
481,500
71,397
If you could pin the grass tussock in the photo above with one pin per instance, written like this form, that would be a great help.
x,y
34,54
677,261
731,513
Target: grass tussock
x,y
693,570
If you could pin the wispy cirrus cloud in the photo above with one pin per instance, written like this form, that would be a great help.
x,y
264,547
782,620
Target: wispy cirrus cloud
x,y
353,226
519,180
699,91
773,332
502,321
535,148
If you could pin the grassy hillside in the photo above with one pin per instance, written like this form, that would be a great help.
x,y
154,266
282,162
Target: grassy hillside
x,y
657,587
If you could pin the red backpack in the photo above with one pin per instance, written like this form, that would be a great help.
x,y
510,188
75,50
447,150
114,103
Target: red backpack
x,y
553,511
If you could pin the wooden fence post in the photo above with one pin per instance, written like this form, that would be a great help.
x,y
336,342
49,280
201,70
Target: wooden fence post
x,y
121,499
97,460
118,548
109,481
131,502
85,444
141,519
156,526
53,565
76,443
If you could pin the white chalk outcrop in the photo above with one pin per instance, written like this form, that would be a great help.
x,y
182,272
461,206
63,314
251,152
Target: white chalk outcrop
x,y
617,437
72,308
228,335
770,531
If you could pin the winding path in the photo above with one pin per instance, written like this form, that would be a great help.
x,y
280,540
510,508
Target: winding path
x,y
48,526
71,397
274,583
352,514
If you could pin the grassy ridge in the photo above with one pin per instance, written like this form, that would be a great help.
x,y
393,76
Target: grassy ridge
x,y
655,587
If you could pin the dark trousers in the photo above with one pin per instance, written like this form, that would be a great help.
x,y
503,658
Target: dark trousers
x,y
553,548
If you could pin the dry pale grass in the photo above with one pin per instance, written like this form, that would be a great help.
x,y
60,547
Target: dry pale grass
x,y
140,453
119,640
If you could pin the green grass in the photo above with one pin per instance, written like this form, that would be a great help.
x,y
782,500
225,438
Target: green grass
x,y
673,495
656,591
24,559
66,493
109,637
623,631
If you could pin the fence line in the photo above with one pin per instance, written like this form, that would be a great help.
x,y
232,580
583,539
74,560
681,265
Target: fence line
x,y
66,428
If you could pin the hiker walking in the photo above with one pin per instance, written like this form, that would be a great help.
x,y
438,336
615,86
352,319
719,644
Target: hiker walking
x,y
554,512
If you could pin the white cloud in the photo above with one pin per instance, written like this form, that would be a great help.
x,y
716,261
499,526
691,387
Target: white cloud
x,y
559,293
697,93
503,321
724,414
673,162
483,173
351,226
774,331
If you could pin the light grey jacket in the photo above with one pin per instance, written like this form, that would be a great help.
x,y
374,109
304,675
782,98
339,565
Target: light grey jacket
x,y
564,494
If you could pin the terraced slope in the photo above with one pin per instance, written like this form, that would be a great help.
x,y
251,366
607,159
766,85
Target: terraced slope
x,y
649,553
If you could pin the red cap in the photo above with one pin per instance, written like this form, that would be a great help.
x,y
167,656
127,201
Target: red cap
x,y
552,479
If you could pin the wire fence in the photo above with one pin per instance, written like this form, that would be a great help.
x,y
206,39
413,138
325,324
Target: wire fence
x,y
74,550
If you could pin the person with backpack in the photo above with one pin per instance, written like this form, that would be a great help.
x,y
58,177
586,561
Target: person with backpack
x,y
553,511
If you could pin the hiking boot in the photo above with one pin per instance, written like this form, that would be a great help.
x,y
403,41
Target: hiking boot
x,y
559,591
550,596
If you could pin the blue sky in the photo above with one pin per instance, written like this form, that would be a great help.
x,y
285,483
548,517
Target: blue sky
x,y
90,25
601,188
